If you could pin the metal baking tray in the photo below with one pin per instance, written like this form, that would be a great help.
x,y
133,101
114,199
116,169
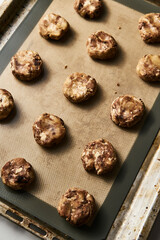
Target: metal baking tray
x,y
38,209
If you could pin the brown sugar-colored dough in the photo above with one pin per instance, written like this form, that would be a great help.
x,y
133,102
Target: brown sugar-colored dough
x,y
48,130
100,156
6,103
53,26
26,65
88,8
17,173
127,110
101,45
79,87
148,68
77,206
149,27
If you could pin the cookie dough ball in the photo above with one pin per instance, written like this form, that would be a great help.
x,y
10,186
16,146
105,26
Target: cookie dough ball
x,y
26,65
127,110
17,173
53,26
149,27
6,103
77,206
100,156
88,8
148,68
48,130
101,45
79,87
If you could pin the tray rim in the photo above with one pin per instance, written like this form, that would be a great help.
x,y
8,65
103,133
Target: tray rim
x,y
6,53
140,5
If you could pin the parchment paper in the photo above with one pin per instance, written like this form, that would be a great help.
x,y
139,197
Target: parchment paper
x,y
60,168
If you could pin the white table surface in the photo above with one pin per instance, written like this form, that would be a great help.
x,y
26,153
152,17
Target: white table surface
x,y
1,1
11,231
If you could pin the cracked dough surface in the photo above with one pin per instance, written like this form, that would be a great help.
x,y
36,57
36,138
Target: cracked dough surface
x,y
127,110
53,26
77,206
100,156
149,27
101,45
26,65
6,103
48,130
79,87
88,8
148,68
17,173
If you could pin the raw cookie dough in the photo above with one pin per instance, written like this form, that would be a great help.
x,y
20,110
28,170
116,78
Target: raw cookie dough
x,y
6,103
88,8
17,173
48,130
101,45
26,65
149,27
100,156
148,68
53,26
77,206
79,87
127,110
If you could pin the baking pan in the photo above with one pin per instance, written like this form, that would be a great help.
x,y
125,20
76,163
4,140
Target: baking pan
x,y
110,207
8,10
140,6
17,11
142,204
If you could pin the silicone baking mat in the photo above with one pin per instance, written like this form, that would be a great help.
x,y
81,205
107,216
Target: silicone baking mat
x,y
60,168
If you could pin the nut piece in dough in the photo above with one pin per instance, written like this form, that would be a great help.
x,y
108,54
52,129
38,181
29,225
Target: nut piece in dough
x,y
26,65
127,110
48,130
53,26
79,87
88,8
101,45
6,103
100,156
77,206
149,27
148,68
17,173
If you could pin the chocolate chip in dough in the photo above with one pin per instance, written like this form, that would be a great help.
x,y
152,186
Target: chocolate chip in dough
x,y
26,65
149,27
101,45
77,206
148,68
78,87
53,26
99,156
17,174
127,110
6,103
48,130
88,8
